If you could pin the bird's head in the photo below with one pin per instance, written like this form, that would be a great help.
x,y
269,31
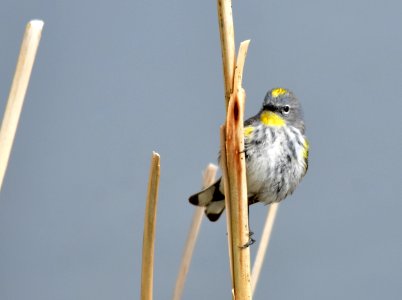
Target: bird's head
x,y
281,107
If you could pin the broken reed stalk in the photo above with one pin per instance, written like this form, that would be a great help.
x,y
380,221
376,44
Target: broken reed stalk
x,y
232,158
26,59
236,174
238,198
148,241
236,167
264,243
208,179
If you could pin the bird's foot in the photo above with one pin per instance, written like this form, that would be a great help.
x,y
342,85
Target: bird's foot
x,y
250,241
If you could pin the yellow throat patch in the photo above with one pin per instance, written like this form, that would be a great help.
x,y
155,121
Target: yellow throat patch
x,y
270,118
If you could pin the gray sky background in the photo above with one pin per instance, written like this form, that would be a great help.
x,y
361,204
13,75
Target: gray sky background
x,y
115,80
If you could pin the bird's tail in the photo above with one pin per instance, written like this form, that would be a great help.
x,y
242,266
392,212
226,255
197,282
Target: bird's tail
x,y
212,198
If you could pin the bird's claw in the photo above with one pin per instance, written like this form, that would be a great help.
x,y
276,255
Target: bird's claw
x,y
250,241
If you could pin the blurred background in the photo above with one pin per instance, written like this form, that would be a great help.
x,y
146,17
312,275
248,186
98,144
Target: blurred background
x,y
115,80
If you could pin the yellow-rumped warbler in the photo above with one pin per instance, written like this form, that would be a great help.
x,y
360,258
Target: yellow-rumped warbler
x,y
276,151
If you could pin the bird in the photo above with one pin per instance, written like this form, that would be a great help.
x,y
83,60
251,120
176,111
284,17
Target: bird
x,y
276,155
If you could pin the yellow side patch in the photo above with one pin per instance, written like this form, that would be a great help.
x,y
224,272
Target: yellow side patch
x,y
278,92
248,131
305,150
271,119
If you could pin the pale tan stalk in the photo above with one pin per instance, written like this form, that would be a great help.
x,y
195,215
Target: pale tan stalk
x,y
225,179
232,155
226,30
238,198
264,243
148,242
208,179
26,59
236,173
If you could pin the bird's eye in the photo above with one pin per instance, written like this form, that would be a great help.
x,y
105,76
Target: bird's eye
x,y
286,109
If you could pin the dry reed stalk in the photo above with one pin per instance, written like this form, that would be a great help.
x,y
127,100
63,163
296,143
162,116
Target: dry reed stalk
x,y
238,198
148,242
208,179
264,243
26,59
225,179
233,164
238,75
236,171
226,30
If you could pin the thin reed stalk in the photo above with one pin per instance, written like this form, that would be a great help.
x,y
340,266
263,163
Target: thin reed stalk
x,y
26,59
208,179
264,243
148,243
225,178
226,31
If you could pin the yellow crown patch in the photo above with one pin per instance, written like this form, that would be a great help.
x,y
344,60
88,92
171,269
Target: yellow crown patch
x,y
278,92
